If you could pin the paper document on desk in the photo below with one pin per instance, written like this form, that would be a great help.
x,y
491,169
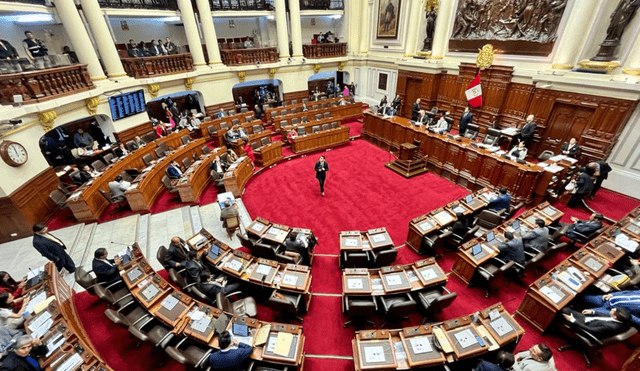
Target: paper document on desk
x,y
501,326
626,243
71,363
379,238
257,227
552,295
262,335
420,344
354,283
235,265
39,321
374,354
169,302
290,279
263,269
412,276
244,339
466,338
351,242
509,131
401,355
428,274
393,279
196,315
425,226
39,307
42,296
553,168
493,149
376,284
55,343
201,324
283,344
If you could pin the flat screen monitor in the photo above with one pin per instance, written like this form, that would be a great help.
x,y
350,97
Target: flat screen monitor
x,y
516,224
468,199
490,236
476,249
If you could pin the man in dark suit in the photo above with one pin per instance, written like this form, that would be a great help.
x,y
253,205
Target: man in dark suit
x,y
583,187
423,119
137,143
156,49
210,285
321,169
527,131
7,51
174,171
465,119
52,248
584,227
601,172
192,267
105,269
415,110
227,358
537,238
461,226
571,148
599,325
132,50
512,249
502,201
176,253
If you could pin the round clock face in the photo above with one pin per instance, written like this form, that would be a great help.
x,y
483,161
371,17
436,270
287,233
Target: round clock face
x,y
14,154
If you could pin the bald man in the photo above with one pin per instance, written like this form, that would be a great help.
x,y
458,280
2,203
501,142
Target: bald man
x,y
176,253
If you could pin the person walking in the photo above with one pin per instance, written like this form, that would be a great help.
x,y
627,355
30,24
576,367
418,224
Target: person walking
x,y
321,172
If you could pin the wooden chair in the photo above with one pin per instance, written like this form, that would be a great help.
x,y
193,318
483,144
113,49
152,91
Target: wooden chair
x,y
231,223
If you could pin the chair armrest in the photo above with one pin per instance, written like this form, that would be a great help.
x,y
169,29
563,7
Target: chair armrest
x,y
238,293
586,335
485,271
446,290
165,340
145,317
530,254
508,266
126,296
346,304
189,285
500,260
126,305
204,358
518,265
114,284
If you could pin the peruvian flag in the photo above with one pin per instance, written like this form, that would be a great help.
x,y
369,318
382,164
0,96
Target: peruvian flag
x,y
474,92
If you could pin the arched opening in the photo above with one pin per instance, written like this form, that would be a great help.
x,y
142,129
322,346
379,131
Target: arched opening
x,y
322,85
79,141
190,100
258,92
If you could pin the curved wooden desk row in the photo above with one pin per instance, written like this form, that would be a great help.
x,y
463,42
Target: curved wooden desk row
x,y
276,234
268,154
269,112
237,176
238,146
177,310
147,186
218,136
392,280
416,347
458,161
554,290
59,327
322,139
347,111
258,271
444,216
371,240
87,204
196,179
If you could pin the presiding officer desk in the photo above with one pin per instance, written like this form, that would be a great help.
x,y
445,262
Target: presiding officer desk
x,y
460,162
449,342
268,274
178,311
557,288
196,178
148,185
466,263
87,204
56,322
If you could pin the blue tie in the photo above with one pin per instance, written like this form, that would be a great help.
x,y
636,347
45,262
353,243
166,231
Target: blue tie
x,y
33,363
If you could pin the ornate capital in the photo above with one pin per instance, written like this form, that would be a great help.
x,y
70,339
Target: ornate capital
x,y
241,75
560,66
188,82
599,66
341,65
154,89
46,119
316,67
485,57
431,3
631,71
92,105
272,72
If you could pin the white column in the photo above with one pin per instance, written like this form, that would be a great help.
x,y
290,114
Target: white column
x,y
281,27
296,27
441,33
79,38
413,28
191,30
574,36
632,63
365,27
209,31
102,35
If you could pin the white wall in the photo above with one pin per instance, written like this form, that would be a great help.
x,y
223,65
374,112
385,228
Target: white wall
x,y
625,159
323,24
146,29
54,37
366,79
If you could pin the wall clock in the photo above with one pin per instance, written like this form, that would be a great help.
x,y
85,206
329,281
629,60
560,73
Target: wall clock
x,y
14,154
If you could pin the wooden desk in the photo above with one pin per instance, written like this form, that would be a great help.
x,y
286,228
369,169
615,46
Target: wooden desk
x,y
322,139
460,162
87,204
237,176
218,136
268,154
197,177
260,229
364,242
147,186
268,114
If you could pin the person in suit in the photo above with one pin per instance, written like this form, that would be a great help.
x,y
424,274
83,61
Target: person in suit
x,y
105,269
229,211
461,226
294,247
136,143
415,109
537,238
174,171
518,152
599,325
442,125
217,166
120,150
257,112
235,134
156,49
528,130
210,285
395,104
383,101
583,187
24,354
602,304
500,202
571,148
82,139
52,248
228,358
176,253
601,172
170,46
132,50
512,249
87,173
193,267
538,358
584,227
465,120
231,157
384,110
7,51
422,118
321,169
118,186
221,114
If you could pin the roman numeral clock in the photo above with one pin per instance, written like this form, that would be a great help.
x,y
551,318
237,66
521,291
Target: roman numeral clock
x,y
14,154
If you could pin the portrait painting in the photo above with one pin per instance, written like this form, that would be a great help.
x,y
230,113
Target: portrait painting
x,y
388,18
382,81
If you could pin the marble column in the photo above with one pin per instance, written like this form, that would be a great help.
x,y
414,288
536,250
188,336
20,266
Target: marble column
x,y
415,11
573,38
441,33
102,36
296,27
191,31
632,63
209,31
365,27
79,37
281,28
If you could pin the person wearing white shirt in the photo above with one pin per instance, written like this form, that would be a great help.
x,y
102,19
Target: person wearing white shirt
x,y
117,187
193,122
442,125
518,152
538,358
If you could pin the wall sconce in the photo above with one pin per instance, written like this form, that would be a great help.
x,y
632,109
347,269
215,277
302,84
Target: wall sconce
x,y
232,24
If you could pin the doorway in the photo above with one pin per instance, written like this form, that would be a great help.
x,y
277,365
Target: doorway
x,y
413,90
566,121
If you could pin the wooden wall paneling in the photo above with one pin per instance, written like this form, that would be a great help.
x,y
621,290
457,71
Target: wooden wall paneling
x,y
12,221
605,127
430,85
448,90
213,109
516,104
139,130
299,95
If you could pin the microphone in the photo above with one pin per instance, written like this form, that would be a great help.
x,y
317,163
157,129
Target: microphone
x,y
119,243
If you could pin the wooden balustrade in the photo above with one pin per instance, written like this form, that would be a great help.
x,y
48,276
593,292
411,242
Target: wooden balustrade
x,y
237,57
241,5
316,51
156,66
322,5
42,85
140,4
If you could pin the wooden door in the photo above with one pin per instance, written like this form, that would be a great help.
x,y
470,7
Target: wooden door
x,y
413,90
566,121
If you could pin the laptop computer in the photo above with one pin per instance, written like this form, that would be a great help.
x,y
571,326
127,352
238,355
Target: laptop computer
x,y
477,251
492,240
214,251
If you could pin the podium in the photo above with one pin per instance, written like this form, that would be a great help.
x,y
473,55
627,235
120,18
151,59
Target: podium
x,y
406,164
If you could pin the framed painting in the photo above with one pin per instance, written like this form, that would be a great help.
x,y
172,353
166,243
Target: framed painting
x,y
388,18
382,81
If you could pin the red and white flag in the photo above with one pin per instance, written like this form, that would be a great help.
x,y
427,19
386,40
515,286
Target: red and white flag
x,y
474,92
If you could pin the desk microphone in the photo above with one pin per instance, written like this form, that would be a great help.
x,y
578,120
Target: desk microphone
x,y
119,243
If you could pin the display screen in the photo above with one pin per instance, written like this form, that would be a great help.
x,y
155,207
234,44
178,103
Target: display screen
x,y
127,104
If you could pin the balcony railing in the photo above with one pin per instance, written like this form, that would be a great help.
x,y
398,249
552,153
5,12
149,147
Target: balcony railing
x,y
238,57
36,2
321,5
241,4
42,85
329,50
156,66
140,4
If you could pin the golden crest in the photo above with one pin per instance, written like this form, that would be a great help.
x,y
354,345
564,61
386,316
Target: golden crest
x,y
92,105
431,3
188,82
485,57
46,119
272,73
341,65
154,89
316,67
241,75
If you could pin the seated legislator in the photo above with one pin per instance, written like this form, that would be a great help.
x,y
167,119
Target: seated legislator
x,y
231,157
257,112
193,267
221,114
137,143
8,317
121,150
84,175
174,171
395,104
117,187
236,133
160,129
584,227
441,126
602,304
512,249
82,139
176,253
217,166
599,325
24,354
537,238
193,123
105,269
294,247
571,148
423,119
228,211
582,187
500,202
461,226
538,358
210,285
518,152
11,286
229,358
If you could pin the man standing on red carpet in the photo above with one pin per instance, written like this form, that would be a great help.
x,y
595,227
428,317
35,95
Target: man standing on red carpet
x,y
321,172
